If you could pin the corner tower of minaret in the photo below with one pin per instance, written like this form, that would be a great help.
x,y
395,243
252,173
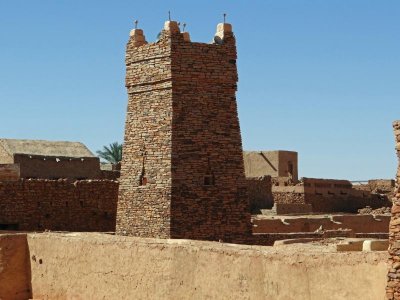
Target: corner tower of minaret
x,y
182,173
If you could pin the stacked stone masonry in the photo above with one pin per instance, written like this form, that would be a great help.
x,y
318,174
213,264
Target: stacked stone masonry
x,y
393,286
327,195
182,173
39,204
260,194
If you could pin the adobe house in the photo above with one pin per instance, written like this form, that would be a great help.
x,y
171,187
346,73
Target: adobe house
x,y
277,163
46,160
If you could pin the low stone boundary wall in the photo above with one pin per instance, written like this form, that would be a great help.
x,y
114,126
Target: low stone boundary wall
x,y
328,199
99,266
291,208
357,223
39,204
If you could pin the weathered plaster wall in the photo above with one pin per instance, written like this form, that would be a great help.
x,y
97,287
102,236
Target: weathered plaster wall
x,y
273,163
15,274
95,266
55,167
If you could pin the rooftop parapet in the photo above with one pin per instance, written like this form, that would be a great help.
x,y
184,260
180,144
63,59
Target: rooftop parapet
x,y
172,29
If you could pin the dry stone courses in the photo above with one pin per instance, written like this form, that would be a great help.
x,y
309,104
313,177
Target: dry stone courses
x,y
393,286
41,204
182,174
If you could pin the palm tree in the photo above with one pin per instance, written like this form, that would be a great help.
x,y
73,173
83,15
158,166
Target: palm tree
x,y
111,153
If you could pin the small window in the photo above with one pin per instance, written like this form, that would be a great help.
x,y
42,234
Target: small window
x,y
209,180
143,180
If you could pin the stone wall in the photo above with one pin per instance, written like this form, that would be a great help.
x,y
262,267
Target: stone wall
x,y
260,193
182,173
393,286
357,223
38,204
328,195
9,172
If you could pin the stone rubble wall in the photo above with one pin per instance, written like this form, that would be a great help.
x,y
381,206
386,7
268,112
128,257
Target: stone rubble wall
x,y
357,223
260,193
144,209
325,199
61,205
393,285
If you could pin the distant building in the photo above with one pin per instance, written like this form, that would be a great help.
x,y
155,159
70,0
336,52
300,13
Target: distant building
x,y
47,160
278,163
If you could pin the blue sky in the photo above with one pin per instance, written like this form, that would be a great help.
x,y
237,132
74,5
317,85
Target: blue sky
x,y
318,77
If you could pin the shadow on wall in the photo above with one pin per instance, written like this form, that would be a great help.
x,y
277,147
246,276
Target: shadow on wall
x,y
15,267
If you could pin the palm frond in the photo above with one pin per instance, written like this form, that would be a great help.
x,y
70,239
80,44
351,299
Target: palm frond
x,y
111,153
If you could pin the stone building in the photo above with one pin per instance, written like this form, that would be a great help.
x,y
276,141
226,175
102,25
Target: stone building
x,y
182,173
56,186
278,163
393,286
47,160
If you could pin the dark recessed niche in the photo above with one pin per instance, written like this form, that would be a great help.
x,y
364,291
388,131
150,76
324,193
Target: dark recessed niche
x,y
209,180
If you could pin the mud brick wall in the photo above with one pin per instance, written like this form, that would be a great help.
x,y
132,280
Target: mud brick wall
x,y
259,191
39,204
393,286
182,174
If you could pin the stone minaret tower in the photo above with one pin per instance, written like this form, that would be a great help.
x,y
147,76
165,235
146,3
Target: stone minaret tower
x,y
182,173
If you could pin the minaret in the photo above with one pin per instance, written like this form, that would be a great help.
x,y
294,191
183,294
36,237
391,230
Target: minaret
x,y
182,173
